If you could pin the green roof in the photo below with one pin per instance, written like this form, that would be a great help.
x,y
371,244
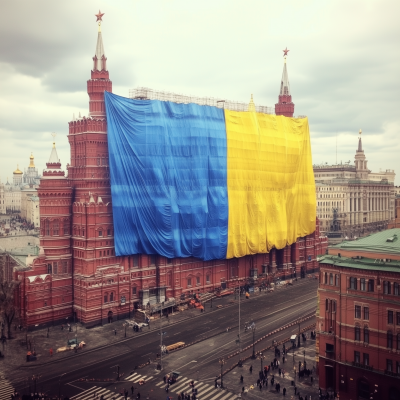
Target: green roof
x,y
361,263
385,242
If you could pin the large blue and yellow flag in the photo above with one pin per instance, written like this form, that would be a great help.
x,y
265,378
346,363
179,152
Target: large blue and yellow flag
x,y
191,180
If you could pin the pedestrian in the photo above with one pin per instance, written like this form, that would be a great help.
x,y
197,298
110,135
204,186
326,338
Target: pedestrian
x,y
138,396
51,352
126,394
242,389
251,369
260,386
132,389
295,390
241,378
284,391
115,332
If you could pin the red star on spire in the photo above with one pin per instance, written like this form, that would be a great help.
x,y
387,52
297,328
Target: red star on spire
x,y
285,52
99,16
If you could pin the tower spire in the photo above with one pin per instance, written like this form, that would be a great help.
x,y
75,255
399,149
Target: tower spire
x,y
285,106
359,142
99,59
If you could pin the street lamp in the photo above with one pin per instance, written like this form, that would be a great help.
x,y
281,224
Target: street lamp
x,y
253,327
261,360
222,362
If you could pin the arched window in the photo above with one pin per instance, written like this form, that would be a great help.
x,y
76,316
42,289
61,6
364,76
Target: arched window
x,y
49,269
47,227
386,287
366,334
331,279
105,298
396,289
66,228
111,296
326,305
389,340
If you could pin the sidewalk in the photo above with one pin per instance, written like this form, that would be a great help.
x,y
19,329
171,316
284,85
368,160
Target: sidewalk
x,y
303,385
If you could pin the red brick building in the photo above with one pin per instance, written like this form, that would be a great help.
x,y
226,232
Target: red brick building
x,y
358,318
77,274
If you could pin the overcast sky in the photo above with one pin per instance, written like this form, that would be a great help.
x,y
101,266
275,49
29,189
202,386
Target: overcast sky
x,y
343,66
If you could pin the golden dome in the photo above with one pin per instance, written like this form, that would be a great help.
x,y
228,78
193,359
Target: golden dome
x,y
31,164
17,171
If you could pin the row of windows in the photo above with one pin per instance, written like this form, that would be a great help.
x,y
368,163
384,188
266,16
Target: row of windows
x,y
329,280
390,317
357,312
389,337
59,267
389,288
56,228
366,285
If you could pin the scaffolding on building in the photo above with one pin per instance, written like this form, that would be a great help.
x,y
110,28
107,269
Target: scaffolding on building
x,y
143,93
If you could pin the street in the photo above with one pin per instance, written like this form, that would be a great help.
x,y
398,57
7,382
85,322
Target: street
x,y
269,311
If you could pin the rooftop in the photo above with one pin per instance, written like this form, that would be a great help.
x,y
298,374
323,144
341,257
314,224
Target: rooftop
x,y
386,242
362,263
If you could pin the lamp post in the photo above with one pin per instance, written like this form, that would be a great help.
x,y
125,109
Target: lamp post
x,y
261,360
222,362
253,327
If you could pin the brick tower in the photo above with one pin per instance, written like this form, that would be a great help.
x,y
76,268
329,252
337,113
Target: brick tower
x,y
285,106
46,293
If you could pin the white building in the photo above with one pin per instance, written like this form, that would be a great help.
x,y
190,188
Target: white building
x,y
352,200
32,214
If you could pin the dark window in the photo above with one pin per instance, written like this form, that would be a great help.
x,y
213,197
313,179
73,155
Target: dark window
x,y
353,283
366,335
333,306
327,305
47,228
189,281
389,340
169,260
65,267
134,290
366,358
389,365
398,341
386,287
111,296
331,279
55,268
357,312
152,259
55,228
366,312
357,333
326,278
105,298
396,289
123,299
370,285
66,228
363,286
49,268
357,356
135,261
100,233
337,280
208,278
329,348
398,318
108,232
197,280
108,252
390,317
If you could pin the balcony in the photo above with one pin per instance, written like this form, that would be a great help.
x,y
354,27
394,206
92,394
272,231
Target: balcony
x,y
359,365
391,373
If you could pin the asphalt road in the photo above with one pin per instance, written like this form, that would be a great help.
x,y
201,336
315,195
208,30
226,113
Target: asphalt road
x,y
268,311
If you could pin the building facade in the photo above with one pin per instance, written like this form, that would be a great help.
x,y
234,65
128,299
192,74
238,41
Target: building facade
x,y
352,201
358,318
77,273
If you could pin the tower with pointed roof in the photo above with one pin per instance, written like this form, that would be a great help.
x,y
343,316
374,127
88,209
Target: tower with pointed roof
x,y
285,106
360,161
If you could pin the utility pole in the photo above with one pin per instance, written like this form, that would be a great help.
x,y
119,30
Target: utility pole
x,y
240,341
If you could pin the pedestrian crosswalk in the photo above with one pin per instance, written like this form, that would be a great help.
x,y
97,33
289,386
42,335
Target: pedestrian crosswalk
x,y
135,378
96,392
204,391
6,390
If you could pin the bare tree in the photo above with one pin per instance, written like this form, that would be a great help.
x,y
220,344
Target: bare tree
x,y
8,308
